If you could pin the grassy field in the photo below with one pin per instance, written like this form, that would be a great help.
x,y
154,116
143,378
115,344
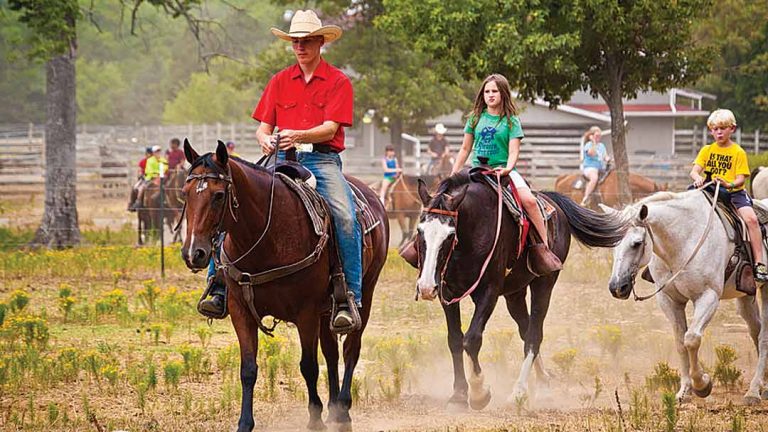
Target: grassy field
x,y
93,339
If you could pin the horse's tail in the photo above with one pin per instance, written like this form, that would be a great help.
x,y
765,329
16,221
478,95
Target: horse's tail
x,y
589,227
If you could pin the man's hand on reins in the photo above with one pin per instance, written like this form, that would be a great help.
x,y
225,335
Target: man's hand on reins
x,y
288,138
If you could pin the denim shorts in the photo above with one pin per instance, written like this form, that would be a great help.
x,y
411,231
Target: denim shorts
x,y
741,199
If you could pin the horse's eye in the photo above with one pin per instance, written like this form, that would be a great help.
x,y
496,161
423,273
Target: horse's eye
x,y
218,196
637,243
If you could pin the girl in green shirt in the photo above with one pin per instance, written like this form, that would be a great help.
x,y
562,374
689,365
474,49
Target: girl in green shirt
x,y
493,131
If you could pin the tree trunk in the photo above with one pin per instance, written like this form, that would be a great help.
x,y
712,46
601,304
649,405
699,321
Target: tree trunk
x,y
619,144
395,138
59,227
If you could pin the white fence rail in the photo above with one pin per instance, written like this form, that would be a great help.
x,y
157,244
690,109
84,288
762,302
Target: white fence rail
x,y
107,155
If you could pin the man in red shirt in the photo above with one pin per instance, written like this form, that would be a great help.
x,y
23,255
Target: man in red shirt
x,y
175,155
311,103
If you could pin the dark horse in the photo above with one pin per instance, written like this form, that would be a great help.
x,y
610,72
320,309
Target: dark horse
x,y
226,194
460,254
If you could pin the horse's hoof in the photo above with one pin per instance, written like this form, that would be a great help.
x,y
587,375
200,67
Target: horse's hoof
x,y
478,403
705,391
344,427
751,400
456,406
316,425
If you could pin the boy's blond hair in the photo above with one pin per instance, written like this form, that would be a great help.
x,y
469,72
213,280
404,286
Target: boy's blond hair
x,y
721,118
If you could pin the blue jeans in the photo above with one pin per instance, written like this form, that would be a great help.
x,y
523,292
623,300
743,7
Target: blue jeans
x,y
331,185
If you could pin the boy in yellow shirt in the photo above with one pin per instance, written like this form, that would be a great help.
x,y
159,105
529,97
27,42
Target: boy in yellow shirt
x,y
725,162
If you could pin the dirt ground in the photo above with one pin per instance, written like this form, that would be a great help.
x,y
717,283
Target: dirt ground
x,y
404,377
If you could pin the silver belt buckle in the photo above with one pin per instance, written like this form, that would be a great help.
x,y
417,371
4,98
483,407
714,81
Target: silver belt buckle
x,y
305,148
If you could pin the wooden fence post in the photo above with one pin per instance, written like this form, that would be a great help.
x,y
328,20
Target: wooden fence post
x,y
757,141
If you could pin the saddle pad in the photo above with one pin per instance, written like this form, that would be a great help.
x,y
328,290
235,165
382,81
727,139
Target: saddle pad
x,y
316,208
761,210
546,209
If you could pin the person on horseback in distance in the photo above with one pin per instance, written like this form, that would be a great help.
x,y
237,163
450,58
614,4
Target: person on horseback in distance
x,y
725,163
493,131
310,102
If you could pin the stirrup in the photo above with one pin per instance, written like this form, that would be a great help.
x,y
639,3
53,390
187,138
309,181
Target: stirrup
x,y
204,296
339,286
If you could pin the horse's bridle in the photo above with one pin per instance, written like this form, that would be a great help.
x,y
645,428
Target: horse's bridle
x,y
455,216
648,231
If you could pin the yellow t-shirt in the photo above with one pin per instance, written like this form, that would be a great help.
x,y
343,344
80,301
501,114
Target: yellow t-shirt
x,y
726,162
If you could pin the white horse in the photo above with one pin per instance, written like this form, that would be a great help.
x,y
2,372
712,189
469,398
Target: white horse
x,y
759,183
664,231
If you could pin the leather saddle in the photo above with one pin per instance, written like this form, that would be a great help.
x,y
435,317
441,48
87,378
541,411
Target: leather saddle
x,y
740,263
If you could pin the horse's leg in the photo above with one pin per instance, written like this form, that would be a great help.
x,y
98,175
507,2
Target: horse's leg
x,y
541,293
748,310
352,346
675,313
762,361
455,343
403,227
308,325
705,307
479,393
248,339
330,347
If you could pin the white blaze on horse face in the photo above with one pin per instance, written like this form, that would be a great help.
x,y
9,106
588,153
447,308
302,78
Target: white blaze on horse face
x,y
435,233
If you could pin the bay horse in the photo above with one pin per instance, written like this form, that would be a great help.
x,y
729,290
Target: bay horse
x,y
405,202
465,243
640,186
228,194
687,263
148,214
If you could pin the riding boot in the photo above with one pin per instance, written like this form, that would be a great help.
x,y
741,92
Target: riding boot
x,y
542,261
216,305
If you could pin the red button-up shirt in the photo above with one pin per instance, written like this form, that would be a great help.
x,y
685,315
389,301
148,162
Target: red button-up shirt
x,y
289,102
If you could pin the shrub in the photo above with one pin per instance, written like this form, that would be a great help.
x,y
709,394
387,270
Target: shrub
x,y
204,333
725,371
32,329
663,378
149,294
610,339
112,302
172,373
18,300
565,360
196,361
66,301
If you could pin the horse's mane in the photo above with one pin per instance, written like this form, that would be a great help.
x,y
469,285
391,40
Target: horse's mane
x,y
451,183
662,196
207,161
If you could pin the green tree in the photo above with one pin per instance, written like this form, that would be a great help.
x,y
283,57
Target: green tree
x,y
397,82
52,37
739,76
551,48
223,102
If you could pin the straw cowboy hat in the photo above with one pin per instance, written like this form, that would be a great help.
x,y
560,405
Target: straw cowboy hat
x,y
441,129
307,24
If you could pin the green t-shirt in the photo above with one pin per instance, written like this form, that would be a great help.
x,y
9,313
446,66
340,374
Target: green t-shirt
x,y
492,134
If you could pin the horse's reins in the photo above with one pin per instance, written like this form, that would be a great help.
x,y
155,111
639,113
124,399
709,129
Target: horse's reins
x,y
455,216
693,254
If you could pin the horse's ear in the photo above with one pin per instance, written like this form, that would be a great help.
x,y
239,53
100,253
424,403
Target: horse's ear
x,y
222,157
643,212
456,198
423,193
189,152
